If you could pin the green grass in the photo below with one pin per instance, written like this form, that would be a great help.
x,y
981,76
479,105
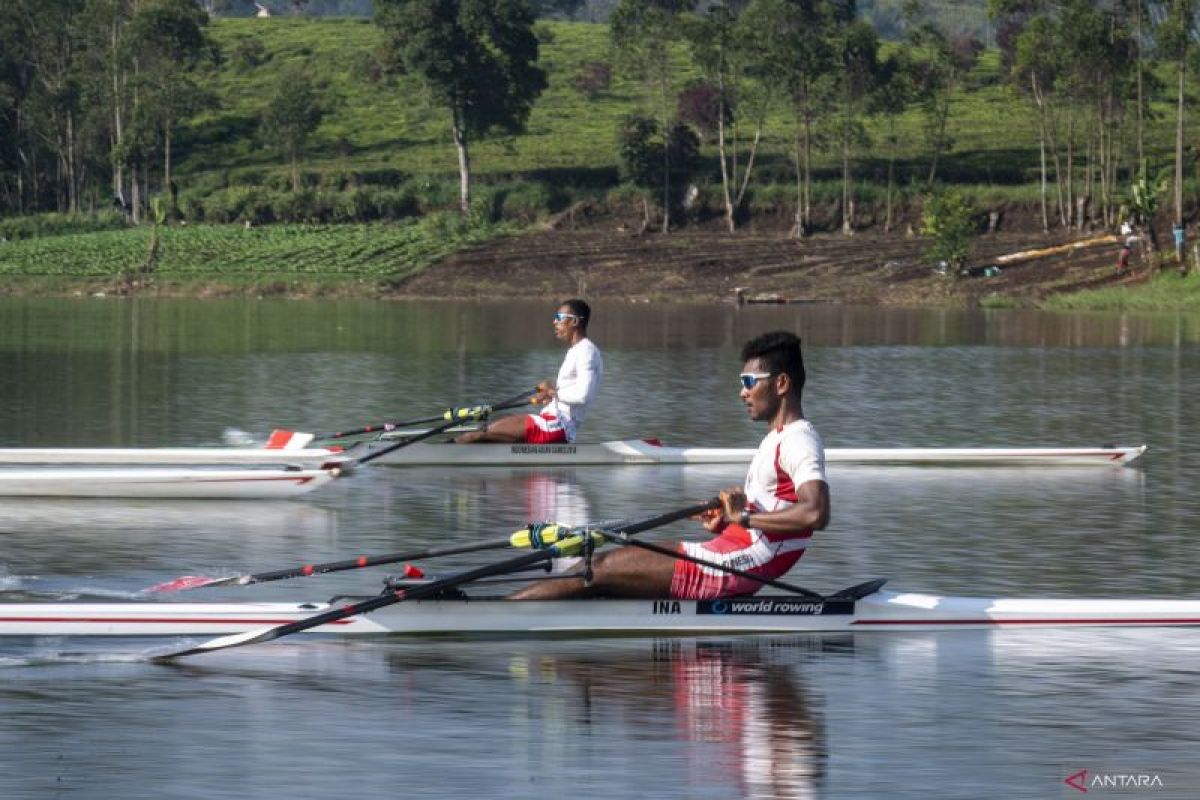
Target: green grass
x,y
379,253
1167,291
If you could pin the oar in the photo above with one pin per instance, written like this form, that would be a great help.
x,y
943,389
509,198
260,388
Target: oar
x,y
517,400
284,439
429,589
519,539
463,413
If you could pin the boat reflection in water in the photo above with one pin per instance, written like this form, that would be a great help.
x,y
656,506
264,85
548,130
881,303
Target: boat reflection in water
x,y
723,712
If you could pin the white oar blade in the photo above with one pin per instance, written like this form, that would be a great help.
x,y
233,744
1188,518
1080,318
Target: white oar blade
x,y
299,441
220,643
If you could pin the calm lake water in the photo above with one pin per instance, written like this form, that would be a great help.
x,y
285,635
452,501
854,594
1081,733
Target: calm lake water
x,y
998,714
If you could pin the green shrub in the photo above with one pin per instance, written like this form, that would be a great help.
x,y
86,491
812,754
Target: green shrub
x,y
950,220
35,226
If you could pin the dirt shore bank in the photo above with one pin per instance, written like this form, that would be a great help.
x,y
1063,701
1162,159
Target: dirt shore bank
x,y
610,259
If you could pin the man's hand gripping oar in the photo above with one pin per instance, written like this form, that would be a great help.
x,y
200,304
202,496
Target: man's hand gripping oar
x,y
567,546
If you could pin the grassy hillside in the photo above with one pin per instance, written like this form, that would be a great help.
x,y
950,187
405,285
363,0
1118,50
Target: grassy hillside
x,y
384,132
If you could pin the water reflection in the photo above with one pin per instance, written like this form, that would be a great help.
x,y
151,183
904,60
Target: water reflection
x,y
745,722
60,548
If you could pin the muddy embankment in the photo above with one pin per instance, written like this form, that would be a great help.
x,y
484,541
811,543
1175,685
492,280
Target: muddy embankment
x,y
582,252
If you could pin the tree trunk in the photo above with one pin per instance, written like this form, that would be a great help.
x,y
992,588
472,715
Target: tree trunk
x,y
939,136
1069,177
798,231
1179,140
1141,122
72,172
167,160
464,165
891,183
1038,101
741,194
666,132
135,196
118,166
847,190
730,223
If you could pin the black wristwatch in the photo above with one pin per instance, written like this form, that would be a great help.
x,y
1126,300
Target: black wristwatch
x,y
744,518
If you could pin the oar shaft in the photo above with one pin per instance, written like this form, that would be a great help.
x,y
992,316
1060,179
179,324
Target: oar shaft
x,y
362,562
386,427
416,592
365,606
512,402
663,519
382,427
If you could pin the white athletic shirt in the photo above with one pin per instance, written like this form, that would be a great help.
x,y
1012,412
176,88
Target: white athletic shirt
x,y
576,385
787,458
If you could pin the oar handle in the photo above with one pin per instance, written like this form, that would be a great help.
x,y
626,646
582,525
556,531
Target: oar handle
x,y
663,519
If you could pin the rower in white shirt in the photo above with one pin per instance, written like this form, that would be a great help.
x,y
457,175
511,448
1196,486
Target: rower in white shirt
x,y
566,399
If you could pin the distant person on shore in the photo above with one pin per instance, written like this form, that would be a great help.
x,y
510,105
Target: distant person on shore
x,y
566,399
763,528
1128,242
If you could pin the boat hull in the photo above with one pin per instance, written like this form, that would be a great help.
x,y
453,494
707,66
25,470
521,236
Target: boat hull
x,y
881,611
636,451
629,451
311,458
150,482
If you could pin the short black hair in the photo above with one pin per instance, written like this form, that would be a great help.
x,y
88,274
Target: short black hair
x,y
580,309
779,352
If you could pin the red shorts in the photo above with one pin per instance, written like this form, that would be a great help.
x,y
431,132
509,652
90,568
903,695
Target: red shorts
x,y
750,551
544,428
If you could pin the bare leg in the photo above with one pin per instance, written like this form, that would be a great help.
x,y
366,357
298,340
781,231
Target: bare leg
x,y
504,430
628,572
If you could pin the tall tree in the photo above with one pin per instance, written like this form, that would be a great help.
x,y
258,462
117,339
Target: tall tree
x,y
720,46
643,34
891,98
941,64
1174,37
477,58
855,81
791,44
169,43
293,113
1033,56
639,146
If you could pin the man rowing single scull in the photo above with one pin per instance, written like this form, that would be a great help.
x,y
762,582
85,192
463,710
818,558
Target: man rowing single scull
x,y
763,528
566,399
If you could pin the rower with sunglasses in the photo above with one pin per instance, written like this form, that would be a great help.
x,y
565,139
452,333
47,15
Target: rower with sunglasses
x,y
762,528
566,399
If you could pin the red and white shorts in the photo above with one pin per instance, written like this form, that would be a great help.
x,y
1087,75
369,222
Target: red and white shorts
x,y
544,428
747,550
